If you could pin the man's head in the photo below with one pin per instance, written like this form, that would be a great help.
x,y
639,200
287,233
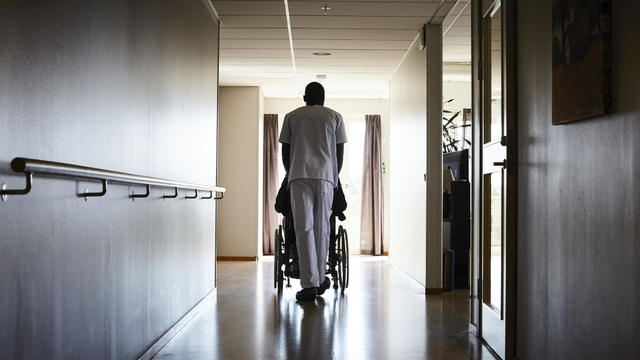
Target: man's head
x,y
314,94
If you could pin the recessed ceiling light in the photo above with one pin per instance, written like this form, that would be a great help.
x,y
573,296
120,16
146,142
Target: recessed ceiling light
x,y
321,53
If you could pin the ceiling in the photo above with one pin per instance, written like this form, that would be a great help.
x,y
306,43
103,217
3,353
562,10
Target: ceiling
x,y
366,39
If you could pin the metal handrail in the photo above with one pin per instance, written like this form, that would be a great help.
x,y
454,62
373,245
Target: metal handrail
x,y
29,167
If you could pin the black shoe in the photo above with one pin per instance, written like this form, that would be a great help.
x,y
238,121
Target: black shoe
x,y
324,285
307,294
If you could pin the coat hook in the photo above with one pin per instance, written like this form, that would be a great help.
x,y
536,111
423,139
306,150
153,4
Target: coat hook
x,y
208,197
145,195
194,196
219,198
88,194
28,180
168,196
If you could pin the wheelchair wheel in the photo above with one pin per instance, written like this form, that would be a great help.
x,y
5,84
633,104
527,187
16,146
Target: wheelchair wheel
x,y
277,260
343,258
345,238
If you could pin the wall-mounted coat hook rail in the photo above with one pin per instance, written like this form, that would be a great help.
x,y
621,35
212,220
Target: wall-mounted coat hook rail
x,y
34,167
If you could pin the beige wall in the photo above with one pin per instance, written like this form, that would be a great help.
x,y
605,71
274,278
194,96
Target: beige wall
x,y
349,107
240,170
407,110
460,92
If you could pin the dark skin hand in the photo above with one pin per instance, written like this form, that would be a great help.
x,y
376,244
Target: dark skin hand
x,y
286,153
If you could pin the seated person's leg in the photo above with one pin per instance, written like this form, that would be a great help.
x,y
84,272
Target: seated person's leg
x,y
294,265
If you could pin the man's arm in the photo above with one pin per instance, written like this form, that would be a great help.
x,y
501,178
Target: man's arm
x,y
286,160
340,155
341,138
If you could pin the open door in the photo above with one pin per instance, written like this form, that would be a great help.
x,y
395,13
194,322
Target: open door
x,y
494,185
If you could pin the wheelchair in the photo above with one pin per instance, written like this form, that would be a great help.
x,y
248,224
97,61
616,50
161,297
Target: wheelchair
x,y
286,263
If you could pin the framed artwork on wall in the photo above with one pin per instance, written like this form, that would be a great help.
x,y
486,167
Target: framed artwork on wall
x,y
581,51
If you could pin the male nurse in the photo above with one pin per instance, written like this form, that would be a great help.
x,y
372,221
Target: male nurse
x,y
312,138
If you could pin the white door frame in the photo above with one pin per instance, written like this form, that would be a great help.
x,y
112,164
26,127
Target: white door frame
x,y
479,9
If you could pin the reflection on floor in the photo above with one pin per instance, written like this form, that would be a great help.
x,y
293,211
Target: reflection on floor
x,y
380,316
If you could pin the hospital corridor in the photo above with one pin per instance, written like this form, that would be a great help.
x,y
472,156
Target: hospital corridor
x,y
310,179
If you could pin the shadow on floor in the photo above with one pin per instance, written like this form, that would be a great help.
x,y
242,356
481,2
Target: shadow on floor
x,y
380,316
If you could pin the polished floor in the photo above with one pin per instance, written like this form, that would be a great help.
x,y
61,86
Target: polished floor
x,y
382,315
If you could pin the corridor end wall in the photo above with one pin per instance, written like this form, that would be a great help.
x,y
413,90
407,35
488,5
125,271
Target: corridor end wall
x,y
240,164
122,85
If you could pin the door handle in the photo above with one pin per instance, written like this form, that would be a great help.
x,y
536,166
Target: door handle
x,y
502,163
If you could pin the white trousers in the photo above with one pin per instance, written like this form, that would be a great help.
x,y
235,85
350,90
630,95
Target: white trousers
x,y
311,201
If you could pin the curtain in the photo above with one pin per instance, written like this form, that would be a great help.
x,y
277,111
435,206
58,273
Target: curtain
x,y
371,223
270,183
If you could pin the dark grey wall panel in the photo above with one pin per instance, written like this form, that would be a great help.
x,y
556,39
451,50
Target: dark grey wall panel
x,y
579,204
122,85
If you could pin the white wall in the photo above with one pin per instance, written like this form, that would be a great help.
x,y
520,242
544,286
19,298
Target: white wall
x,y
407,110
240,170
349,108
460,92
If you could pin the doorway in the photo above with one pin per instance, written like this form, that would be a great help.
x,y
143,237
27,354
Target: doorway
x,y
493,185
495,194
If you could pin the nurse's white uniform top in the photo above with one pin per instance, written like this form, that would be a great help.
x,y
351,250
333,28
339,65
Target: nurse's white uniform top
x,y
313,132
